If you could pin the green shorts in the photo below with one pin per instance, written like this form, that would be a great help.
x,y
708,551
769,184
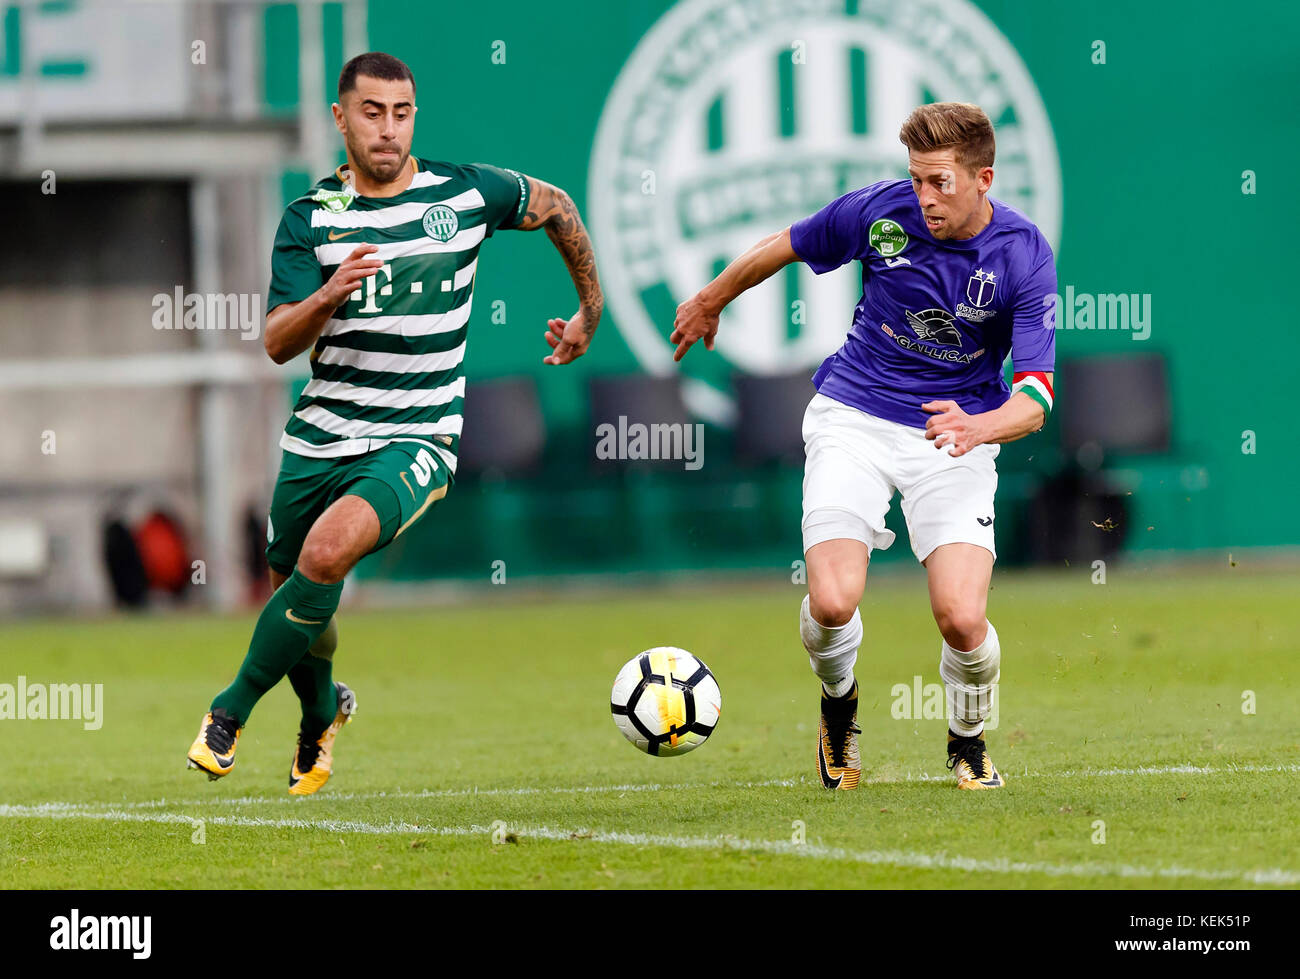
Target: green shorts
x,y
401,481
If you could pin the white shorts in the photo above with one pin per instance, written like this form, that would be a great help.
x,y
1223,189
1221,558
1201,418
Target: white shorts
x,y
855,462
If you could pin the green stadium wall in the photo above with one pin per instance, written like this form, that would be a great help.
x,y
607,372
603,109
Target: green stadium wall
x,y
1154,146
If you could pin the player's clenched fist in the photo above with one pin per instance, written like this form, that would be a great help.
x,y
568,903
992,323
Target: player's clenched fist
x,y
951,428
347,278
696,320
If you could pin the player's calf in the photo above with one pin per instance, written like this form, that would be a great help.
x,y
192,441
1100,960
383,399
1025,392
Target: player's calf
x,y
970,679
832,652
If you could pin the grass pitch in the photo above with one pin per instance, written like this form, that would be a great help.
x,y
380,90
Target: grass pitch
x,y
483,754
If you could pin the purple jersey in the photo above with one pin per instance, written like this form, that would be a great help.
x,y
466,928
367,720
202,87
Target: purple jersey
x,y
937,318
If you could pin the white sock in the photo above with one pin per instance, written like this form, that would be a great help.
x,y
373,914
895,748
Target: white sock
x,y
832,650
841,688
968,680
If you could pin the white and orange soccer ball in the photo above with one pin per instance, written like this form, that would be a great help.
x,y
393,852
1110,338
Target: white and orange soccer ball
x,y
665,701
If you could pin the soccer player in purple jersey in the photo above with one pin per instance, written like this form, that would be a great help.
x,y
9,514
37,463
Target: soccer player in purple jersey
x,y
952,281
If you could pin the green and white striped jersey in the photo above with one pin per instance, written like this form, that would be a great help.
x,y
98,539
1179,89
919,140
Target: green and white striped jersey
x,y
388,364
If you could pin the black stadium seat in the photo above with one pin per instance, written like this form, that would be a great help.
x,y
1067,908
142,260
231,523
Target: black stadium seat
x,y
770,424
1109,404
504,433
1116,403
637,398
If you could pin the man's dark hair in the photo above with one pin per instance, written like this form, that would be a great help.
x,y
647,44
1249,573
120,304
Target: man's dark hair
x,y
374,64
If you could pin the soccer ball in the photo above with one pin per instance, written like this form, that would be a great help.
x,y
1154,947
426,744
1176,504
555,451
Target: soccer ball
x,y
665,701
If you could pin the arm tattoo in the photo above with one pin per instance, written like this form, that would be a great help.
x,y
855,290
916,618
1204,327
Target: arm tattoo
x,y
553,209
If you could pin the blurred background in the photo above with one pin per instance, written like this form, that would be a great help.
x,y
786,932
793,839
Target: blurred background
x,y
149,149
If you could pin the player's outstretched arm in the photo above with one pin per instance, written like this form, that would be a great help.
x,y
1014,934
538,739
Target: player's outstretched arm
x,y
293,327
551,208
697,318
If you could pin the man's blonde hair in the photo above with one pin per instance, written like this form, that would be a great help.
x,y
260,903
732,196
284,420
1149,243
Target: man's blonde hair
x,y
944,124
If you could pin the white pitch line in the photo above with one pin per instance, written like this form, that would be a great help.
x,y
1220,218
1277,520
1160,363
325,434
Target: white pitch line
x,y
1117,772
250,800
890,858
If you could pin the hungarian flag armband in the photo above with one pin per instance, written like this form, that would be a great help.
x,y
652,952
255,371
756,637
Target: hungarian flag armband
x,y
1036,385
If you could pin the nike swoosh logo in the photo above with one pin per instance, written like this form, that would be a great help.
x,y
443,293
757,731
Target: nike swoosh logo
x,y
826,775
222,762
335,236
288,614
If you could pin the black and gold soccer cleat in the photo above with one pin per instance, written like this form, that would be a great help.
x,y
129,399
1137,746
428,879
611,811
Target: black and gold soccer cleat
x,y
313,759
969,760
838,763
213,751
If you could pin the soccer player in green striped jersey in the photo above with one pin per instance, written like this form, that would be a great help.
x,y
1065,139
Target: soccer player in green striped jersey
x,y
374,272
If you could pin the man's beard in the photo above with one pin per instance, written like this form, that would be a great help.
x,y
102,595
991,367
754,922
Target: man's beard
x,y
385,172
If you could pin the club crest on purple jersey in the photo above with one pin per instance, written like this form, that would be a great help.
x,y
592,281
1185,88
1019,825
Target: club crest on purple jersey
x,y
980,288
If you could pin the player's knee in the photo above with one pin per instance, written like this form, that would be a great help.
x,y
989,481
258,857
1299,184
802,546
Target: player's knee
x,y
325,559
963,624
832,607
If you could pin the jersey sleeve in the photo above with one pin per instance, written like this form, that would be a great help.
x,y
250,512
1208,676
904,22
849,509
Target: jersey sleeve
x,y
835,235
1033,321
295,272
1033,330
505,194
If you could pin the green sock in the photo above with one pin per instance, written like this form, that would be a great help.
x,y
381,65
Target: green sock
x,y
294,618
312,679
